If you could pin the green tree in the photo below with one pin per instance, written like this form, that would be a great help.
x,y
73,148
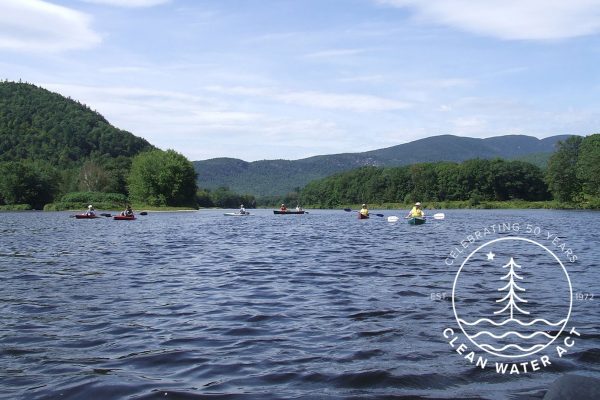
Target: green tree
x,y
517,180
424,178
448,187
225,198
476,180
588,165
162,178
561,174
203,198
27,183
93,177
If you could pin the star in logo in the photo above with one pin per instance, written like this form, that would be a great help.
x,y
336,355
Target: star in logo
x,y
490,256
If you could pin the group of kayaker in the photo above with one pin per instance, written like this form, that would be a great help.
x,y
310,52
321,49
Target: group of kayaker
x,y
91,212
284,208
416,212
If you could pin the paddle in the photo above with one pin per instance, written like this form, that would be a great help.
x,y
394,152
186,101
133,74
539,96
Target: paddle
x,y
437,216
434,216
350,210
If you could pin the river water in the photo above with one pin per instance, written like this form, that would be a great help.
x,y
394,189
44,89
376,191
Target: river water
x,y
323,305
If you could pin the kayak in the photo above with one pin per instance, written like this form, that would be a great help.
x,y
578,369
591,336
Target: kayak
x,y
288,212
416,221
86,216
124,217
237,214
361,216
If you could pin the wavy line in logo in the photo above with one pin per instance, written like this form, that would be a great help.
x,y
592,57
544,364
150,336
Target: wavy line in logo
x,y
535,348
504,335
535,321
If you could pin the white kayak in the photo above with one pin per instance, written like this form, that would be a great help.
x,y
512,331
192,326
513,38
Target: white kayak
x,y
237,214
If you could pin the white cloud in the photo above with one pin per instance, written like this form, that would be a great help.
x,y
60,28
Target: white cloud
x,y
315,99
364,78
124,70
335,53
510,19
129,3
352,102
39,26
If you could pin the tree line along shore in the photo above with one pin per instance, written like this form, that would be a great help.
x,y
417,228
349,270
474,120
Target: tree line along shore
x,y
158,179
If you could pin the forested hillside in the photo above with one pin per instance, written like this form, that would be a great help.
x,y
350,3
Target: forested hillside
x,y
56,150
476,179
278,177
36,124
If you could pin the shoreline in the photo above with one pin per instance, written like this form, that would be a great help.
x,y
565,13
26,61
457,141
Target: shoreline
x,y
434,205
483,205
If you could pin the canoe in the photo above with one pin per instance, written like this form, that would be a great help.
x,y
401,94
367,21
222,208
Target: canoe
x,y
416,221
288,212
85,216
237,214
124,217
361,216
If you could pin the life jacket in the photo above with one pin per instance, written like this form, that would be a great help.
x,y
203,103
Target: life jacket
x,y
416,212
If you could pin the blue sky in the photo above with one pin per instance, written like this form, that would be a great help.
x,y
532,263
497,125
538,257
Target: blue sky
x,y
264,79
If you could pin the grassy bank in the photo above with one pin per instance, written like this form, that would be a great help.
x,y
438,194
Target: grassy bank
x,y
111,207
15,207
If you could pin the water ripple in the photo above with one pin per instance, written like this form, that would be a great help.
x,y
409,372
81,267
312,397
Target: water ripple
x,y
197,305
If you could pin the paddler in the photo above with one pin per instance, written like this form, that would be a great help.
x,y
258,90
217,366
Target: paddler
x,y
128,211
283,208
242,209
416,211
90,211
364,211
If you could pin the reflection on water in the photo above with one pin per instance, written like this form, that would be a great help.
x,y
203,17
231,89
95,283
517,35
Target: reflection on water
x,y
198,304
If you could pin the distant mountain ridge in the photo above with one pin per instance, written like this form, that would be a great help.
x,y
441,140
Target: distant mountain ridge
x,y
278,177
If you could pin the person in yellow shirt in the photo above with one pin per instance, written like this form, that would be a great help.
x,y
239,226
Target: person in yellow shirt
x,y
364,211
416,211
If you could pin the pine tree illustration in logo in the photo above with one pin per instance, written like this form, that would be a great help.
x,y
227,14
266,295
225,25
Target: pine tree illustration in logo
x,y
512,297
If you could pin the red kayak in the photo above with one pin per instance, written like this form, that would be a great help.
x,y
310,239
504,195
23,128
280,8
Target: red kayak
x,y
86,216
361,216
124,217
